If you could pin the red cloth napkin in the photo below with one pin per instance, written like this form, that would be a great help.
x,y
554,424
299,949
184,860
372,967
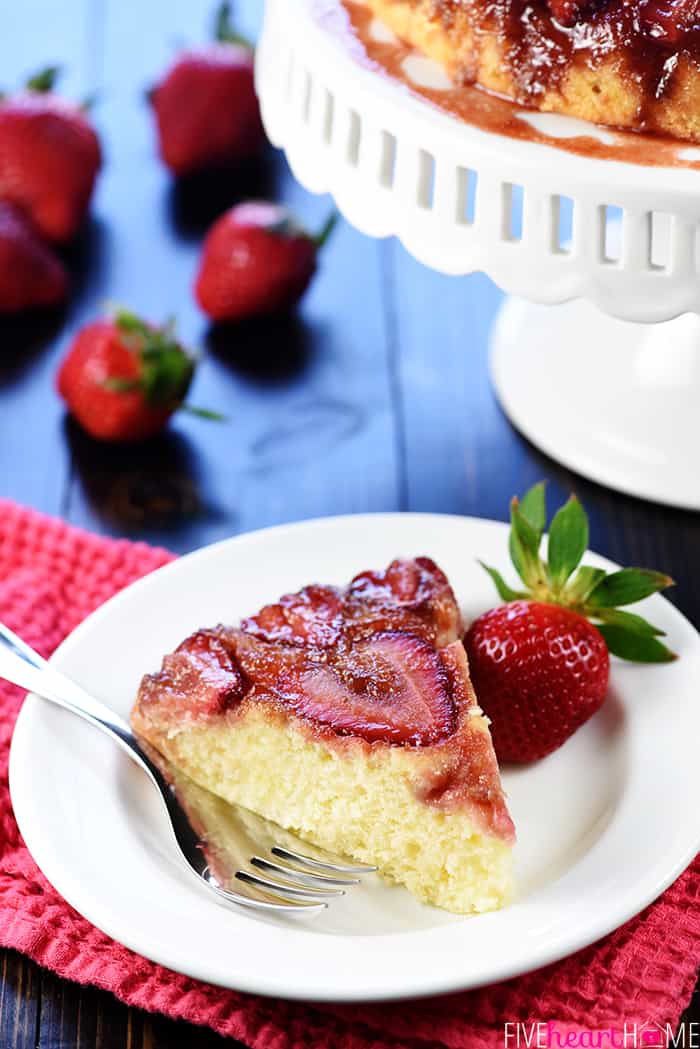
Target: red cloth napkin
x,y
51,577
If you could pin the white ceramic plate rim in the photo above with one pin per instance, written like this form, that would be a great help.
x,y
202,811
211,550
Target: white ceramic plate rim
x,y
530,934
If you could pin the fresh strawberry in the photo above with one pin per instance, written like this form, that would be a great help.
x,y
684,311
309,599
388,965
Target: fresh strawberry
x,y
206,107
256,260
540,671
122,379
539,667
49,158
30,274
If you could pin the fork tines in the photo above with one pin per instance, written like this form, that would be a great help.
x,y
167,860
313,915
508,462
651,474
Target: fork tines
x,y
307,881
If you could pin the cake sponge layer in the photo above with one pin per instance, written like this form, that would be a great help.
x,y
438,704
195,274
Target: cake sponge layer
x,y
348,798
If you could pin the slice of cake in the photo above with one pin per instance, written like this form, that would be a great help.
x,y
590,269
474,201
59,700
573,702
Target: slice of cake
x,y
627,63
348,716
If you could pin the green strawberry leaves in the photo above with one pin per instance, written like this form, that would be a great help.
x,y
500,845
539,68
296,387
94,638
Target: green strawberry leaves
x,y
40,83
568,541
563,580
224,29
524,546
43,81
584,583
504,591
634,647
533,506
630,622
627,586
326,231
167,369
287,227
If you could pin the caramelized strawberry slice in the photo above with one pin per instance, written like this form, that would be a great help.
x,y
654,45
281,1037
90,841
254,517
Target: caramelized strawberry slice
x,y
199,679
264,662
412,595
311,617
393,688
361,660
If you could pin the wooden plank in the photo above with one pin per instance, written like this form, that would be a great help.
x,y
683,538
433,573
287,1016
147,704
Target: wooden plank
x,y
159,1033
71,1016
19,1001
76,1017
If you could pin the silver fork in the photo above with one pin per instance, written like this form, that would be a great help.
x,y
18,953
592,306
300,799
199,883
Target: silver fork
x,y
309,882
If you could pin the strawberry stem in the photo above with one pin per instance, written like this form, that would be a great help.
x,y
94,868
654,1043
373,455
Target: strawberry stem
x,y
324,235
43,81
224,30
203,413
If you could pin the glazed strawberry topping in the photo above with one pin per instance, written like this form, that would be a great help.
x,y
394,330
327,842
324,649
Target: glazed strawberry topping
x,y
412,596
364,661
200,679
311,617
671,21
393,688
568,12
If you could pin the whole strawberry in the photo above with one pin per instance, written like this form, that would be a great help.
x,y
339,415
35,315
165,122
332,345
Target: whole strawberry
x,y
540,668
49,158
122,378
256,260
30,274
206,108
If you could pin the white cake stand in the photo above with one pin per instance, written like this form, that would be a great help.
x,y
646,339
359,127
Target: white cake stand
x,y
590,382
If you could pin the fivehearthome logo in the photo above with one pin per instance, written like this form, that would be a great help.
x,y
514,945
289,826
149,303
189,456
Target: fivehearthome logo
x,y
646,1035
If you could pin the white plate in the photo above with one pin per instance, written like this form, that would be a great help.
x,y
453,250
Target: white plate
x,y
604,824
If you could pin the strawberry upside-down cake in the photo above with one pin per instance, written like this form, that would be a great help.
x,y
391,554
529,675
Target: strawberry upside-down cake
x,y
347,716
627,63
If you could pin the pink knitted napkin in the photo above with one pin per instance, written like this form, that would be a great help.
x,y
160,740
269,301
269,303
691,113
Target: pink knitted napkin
x,y
51,577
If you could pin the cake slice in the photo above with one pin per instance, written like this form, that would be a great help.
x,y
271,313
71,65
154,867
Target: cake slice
x,y
348,717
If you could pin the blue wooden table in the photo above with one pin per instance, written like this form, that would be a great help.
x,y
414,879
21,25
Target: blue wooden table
x,y
375,397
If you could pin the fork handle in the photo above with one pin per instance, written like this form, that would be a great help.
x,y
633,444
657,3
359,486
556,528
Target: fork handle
x,y
22,666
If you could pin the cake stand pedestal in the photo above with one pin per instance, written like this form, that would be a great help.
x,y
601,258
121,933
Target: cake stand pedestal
x,y
613,400
609,384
